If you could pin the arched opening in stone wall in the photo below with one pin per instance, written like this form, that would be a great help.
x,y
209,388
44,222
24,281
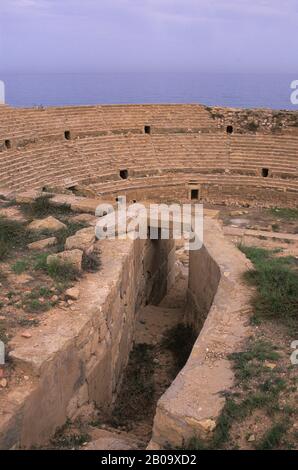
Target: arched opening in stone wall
x,y
194,194
147,129
7,144
265,172
123,174
230,129
67,135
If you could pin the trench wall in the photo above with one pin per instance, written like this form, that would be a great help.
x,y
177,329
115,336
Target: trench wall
x,y
218,307
77,358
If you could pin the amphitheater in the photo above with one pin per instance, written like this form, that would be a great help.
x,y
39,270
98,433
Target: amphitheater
x,y
75,359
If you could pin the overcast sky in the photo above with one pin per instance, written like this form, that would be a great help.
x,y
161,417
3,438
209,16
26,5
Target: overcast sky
x,y
100,35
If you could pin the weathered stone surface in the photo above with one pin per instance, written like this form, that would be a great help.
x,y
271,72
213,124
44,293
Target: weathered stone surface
x,y
7,193
49,223
193,402
107,440
208,425
82,240
27,197
42,244
73,257
77,203
12,213
73,293
85,218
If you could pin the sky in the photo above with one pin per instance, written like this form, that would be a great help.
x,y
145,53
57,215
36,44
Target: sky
x,y
123,35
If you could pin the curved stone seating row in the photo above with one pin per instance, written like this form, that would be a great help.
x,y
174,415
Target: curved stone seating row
x,y
124,162
19,125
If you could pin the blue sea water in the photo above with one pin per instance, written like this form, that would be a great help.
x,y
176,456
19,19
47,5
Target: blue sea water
x,y
235,90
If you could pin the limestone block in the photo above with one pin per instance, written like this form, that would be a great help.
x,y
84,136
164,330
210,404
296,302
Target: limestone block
x,y
82,240
85,205
83,395
49,223
12,213
42,244
73,257
27,197
73,293
86,219
107,440
99,378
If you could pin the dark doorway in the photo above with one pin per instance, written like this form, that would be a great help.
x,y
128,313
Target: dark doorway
x,y
147,129
67,135
230,129
124,174
7,144
194,194
265,172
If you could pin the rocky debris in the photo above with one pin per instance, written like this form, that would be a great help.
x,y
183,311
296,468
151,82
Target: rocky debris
x,y
85,191
86,219
20,279
108,440
3,383
82,240
42,244
7,194
208,425
73,293
77,203
12,213
270,365
73,257
49,223
251,438
237,213
26,335
27,197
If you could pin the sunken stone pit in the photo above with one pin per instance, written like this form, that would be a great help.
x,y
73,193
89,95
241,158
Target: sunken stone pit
x,y
83,319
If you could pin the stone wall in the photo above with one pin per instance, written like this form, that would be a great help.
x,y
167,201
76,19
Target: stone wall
x,y
233,155
219,306
76,358
204,277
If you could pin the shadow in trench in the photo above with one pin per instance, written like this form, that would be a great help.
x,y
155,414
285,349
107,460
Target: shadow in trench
x,y
162,346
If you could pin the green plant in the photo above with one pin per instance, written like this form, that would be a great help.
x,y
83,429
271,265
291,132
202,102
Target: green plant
x,y
42,207
180,340
64,438
91,262
136,398
13,235
286,213
276,283
20,266
273,437
248,364
40,262
253,126
62,271
70,230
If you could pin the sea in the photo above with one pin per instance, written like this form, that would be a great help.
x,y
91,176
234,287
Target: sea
x,y
212,89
